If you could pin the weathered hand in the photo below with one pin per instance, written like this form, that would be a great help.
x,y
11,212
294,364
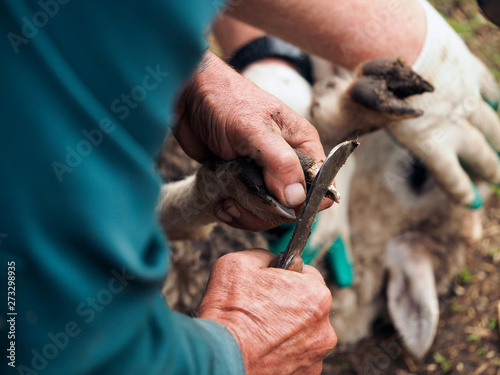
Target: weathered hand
x,y
223,113
279,318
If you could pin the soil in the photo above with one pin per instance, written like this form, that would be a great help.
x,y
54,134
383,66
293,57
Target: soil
x,y
468,337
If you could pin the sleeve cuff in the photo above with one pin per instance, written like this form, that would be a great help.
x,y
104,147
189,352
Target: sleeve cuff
x,y
443,56
440,36
227,349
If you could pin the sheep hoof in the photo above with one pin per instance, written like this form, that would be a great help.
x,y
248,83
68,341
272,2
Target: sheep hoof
x,y
311,169
384,84
251,175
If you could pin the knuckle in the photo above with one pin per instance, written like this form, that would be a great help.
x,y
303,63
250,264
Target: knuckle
x,y
276,108
322,302
325,299
227,262
331,337
285,158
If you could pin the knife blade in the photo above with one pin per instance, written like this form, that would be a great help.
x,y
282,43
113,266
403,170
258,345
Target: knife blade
x,y
332,164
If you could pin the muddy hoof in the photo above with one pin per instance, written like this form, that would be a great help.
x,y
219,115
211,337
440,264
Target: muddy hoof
x,y
251,176
311,169
384,84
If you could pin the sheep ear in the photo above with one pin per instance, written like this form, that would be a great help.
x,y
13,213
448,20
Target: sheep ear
x,y
411,293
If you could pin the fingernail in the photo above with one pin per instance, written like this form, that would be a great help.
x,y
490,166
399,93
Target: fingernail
x,y
294,194
223,216
478,201
233,211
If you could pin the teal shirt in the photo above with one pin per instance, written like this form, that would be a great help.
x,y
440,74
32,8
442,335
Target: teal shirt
x,y
87,89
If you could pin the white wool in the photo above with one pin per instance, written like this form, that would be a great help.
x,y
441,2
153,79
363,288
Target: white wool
x,y
283,82
451,124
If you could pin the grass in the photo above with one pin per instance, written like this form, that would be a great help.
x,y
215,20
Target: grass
x,y
482,36
496,190
494,251
492,323
467,30
443,363
466,277
473,338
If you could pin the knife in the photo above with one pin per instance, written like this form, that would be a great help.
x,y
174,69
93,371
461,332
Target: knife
x,y
290,258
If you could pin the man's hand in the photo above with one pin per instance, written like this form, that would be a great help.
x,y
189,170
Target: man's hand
x,y
223,113
279,318
459,134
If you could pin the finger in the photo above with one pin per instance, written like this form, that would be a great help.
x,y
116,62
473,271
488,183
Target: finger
x,y
304,137
314,369
488,85
282,172
478,157
486,120
283,175
440,157
317,368
281,168
251,258
327,203
296,264
313,273
235,215
449,174
333,339
190,143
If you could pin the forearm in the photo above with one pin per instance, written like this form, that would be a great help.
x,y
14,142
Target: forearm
x,y
185,211
345,33
231,34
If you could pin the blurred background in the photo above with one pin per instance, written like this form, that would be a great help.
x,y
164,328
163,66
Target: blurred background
x,y
468,337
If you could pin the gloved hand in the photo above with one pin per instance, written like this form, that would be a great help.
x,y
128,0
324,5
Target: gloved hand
x,y
458,136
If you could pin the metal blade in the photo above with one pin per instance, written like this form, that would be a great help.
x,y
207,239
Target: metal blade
x,y
335,160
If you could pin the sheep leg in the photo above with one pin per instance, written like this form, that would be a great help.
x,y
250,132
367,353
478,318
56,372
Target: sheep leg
x,y
344,106
187,206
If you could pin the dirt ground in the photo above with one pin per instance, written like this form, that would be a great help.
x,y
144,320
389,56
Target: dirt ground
x,y
468,337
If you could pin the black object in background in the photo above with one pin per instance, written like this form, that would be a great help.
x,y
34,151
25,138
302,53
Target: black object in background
x,y
491,9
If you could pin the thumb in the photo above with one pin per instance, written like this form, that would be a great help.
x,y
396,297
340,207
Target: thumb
x,y
283,174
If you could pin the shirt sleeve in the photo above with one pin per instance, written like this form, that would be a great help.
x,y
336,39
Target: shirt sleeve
x,y
87,91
